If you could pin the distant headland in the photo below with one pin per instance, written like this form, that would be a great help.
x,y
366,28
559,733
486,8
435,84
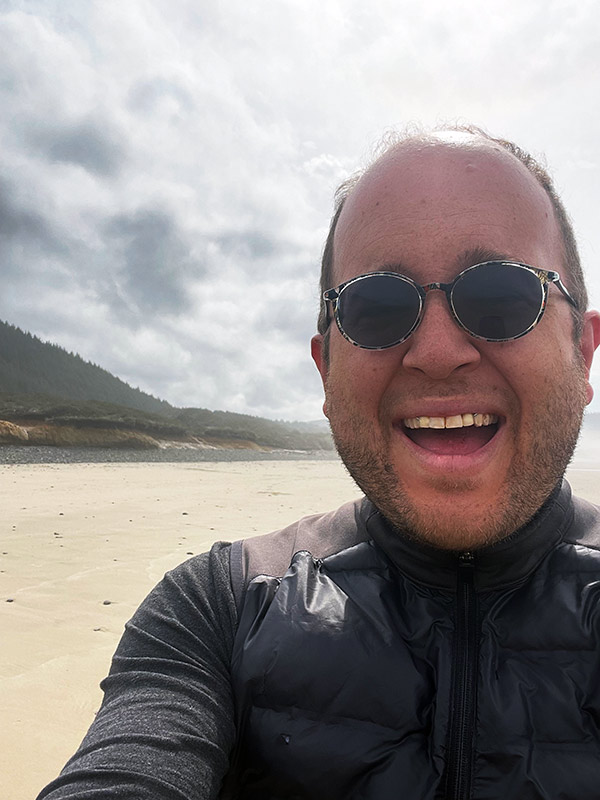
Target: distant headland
x,y
52,397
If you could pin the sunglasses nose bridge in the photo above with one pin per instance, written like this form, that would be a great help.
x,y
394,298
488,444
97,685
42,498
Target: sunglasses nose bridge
x,y
436,285
446,288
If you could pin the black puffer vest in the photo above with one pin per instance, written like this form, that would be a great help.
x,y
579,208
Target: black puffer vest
x,y
376,668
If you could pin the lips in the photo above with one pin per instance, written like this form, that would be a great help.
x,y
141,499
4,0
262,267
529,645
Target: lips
x,y
452,435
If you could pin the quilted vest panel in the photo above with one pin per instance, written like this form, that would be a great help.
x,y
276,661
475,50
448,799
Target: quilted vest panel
x,y
350,683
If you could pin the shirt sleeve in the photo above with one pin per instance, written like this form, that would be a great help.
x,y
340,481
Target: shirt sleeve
x,y
166,725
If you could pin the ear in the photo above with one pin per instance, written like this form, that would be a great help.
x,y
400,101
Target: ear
x,y
317,346
590,339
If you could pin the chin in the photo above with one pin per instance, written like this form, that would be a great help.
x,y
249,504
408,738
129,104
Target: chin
x,y
449,533
457,524
457,512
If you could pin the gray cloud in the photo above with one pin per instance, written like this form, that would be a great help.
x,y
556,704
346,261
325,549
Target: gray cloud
x,y
168,172
153,260
88,143
293,314
31,247
21,224
250,244
145,96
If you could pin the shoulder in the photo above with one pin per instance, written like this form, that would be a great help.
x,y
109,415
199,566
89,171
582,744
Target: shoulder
x,y
585,527
321,535
195,595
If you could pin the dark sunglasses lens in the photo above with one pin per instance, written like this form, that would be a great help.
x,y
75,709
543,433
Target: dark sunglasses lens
x,y
379,310
498,301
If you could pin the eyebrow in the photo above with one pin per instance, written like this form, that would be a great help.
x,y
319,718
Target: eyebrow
x,y
470,257
478,255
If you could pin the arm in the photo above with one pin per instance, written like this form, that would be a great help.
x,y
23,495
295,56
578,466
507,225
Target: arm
x,y
166,726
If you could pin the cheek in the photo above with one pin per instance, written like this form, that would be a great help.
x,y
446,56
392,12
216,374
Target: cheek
x,y
360,377
538,371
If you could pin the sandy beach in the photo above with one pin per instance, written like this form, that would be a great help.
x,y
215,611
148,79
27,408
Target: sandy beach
x,y
82,544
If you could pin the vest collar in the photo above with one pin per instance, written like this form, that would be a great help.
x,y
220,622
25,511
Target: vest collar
x,y
506,562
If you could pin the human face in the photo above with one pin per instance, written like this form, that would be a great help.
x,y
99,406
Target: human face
x,y
429,210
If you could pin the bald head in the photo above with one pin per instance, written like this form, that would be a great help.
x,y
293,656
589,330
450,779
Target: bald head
x,y
449,174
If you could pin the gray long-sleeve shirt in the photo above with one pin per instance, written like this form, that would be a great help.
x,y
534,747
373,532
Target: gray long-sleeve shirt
x,y
166,727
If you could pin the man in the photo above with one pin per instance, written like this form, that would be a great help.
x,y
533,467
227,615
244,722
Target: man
x,y
440,639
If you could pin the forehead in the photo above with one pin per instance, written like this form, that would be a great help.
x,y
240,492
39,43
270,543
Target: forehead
x,y
424,205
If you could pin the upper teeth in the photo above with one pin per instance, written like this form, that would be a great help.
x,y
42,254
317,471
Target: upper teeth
x,y
455,421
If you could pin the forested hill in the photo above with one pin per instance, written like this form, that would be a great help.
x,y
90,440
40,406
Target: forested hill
x,y
30,366
50,396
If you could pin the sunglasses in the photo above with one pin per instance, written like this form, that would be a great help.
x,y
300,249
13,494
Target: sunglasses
x,y
496,301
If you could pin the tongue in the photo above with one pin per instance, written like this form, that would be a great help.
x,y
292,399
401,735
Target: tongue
x,y
453,441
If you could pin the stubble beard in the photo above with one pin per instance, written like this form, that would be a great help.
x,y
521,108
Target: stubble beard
x,y
535,470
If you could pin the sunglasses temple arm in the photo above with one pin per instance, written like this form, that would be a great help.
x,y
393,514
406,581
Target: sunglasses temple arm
x,y
565,291
330,297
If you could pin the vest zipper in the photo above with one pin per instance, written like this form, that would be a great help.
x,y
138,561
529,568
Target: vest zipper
x,y
459,764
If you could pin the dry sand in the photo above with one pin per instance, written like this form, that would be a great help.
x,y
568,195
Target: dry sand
x,y
82,544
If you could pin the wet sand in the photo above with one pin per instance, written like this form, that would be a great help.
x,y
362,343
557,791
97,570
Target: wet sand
x,y
82,544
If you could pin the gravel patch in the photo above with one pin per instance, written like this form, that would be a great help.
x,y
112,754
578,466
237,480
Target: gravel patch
x,y
101,455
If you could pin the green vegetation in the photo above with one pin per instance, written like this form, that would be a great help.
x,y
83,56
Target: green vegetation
x,y
84,413
42,382
28,365
178,424
266,432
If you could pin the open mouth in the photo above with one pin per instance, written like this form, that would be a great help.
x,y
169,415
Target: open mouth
x,y
456,435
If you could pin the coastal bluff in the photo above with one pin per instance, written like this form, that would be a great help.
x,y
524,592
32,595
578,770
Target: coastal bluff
x,y
34,433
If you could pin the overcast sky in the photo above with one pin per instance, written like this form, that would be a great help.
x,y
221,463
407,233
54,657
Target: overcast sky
x,y
167,167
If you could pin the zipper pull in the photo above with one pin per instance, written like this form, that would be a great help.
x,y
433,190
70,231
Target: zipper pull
x,y
466,568
465,573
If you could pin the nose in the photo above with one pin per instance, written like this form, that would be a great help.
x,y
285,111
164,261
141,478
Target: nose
x,y
439,347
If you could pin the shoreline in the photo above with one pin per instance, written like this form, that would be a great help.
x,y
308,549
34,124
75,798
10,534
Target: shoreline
x,y
170,452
